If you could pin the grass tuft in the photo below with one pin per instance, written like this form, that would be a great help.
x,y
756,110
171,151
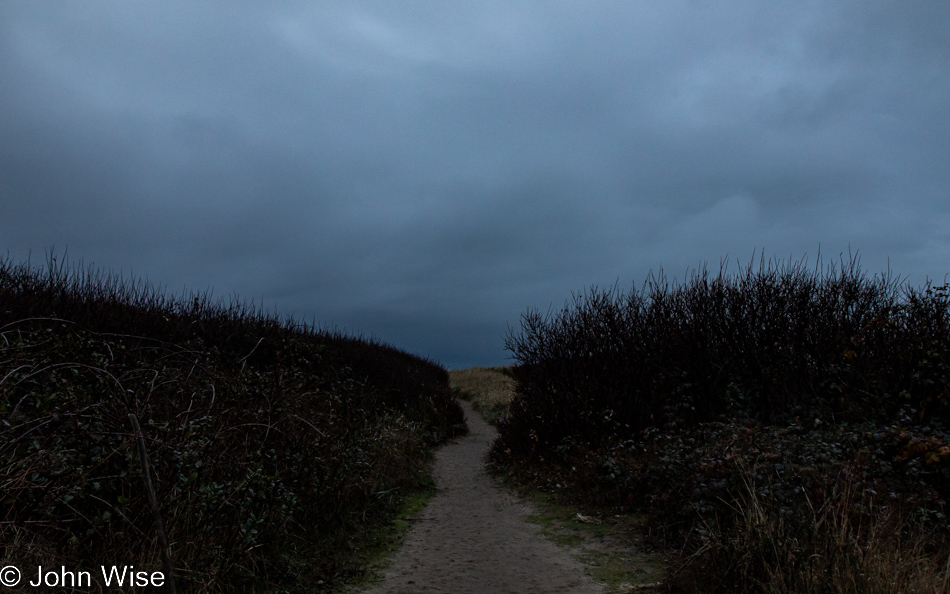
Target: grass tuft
x,y
836,545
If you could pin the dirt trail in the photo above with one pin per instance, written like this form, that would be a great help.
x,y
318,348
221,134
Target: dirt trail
x,y
472,538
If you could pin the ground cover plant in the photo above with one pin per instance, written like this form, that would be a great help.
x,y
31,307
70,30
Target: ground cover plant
x,y
785,426
273,448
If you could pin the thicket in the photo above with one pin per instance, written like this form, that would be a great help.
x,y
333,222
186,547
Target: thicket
x,y
745,410
771,343
274,447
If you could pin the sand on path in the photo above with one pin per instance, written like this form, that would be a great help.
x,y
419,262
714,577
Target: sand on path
x,y
472,536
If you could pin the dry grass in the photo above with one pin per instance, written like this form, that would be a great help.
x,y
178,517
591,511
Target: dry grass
x,y
490,389
833,546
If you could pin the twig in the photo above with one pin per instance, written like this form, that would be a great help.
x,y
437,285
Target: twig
x,y
631,588
312,426
244,360
153,501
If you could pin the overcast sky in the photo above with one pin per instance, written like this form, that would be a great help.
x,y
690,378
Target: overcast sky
x,y
426,171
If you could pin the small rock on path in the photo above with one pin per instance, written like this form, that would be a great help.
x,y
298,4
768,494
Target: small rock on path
x,y
472,537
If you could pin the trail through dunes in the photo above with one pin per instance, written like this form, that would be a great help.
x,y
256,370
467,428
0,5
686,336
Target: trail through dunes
x,y
473,538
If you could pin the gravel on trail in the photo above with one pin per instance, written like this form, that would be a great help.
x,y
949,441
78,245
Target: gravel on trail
x,y
472,537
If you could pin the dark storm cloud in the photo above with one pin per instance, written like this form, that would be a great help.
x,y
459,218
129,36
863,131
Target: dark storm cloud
x,y
425,171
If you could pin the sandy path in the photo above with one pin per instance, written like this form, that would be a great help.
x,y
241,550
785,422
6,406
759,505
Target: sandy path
x,y
472,538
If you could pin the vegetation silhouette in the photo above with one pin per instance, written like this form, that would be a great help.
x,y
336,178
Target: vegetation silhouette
x,y
275,448
775,423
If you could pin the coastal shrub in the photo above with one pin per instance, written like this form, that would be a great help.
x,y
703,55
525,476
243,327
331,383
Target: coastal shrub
x,y
274,447
773,342
784,428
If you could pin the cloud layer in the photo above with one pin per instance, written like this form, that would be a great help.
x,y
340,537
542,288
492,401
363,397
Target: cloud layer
x,y
426,171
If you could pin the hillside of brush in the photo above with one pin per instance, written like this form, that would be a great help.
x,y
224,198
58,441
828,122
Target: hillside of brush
x,y
786,427
274,448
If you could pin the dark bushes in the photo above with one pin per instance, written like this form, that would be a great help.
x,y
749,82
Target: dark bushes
x,y
785,428
771,343
273,446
